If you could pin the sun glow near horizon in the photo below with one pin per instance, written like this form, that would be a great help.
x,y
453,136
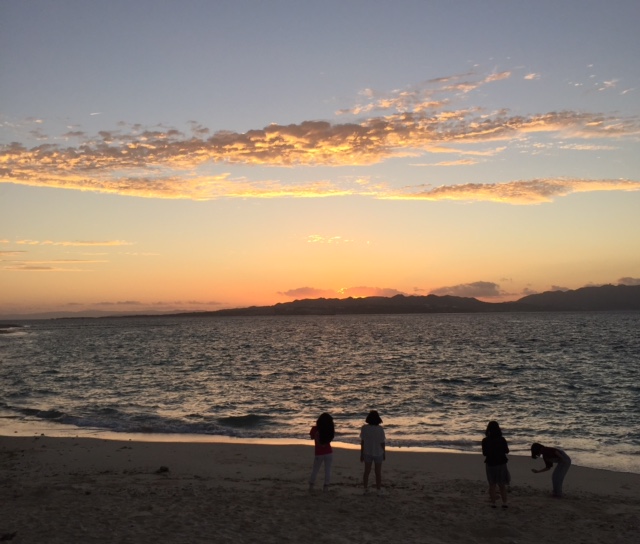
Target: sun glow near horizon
x,y
311,162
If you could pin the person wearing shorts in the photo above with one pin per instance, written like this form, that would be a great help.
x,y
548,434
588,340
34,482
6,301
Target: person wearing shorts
x,y
372,449
495,449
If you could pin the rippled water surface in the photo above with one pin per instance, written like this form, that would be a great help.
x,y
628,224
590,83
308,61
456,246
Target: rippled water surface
x,y
565,379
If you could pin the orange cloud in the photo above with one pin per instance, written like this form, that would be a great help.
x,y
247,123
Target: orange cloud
x,y
363,291
164,167
355,292
414,122
475,289
309,292
518,192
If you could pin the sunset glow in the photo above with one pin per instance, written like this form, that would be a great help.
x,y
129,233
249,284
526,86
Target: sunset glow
x,y
200,156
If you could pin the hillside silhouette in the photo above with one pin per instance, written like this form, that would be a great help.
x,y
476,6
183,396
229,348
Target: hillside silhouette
x,y
603,298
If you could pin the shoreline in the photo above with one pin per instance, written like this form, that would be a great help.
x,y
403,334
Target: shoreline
x,y
106,490
11,426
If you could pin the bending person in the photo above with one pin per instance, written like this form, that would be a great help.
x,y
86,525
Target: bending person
x,y
552,456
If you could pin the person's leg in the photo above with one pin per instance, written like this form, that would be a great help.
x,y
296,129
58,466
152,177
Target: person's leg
x,y
492,484
558,475
505,480
317,461
503,494
365,477
492,494
328,461
378,475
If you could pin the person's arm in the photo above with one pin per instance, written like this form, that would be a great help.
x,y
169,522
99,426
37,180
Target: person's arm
x,y
548,466
384,452
361,450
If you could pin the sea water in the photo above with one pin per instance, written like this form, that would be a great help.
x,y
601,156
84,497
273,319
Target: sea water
x,y
570,380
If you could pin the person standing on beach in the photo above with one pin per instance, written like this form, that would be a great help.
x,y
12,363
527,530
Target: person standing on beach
x,y
322,433
495,449
372,449
551,456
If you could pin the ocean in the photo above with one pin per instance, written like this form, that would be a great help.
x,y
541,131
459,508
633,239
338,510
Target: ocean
x,y
570,380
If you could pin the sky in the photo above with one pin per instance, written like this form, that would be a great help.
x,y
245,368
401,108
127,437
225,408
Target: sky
x,y
160,156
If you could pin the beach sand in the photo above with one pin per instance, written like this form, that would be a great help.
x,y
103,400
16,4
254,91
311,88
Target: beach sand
x,y
90,490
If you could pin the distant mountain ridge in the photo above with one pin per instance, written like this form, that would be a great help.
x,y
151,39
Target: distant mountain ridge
x,y
603,298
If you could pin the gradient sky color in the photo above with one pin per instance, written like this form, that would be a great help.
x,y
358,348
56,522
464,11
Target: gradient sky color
x,y
199,155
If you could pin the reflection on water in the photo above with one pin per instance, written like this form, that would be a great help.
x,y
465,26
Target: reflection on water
x,y
569,379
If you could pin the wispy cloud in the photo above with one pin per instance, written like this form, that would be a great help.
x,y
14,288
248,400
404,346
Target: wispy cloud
x,y
611,84
320,239
460,162
56,261
39,268
46,265
74,243
11,253
431,95
160,305
13,260
534,191
587,147
416,122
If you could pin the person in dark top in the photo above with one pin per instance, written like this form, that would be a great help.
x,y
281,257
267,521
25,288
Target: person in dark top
x,y
495,449
551,456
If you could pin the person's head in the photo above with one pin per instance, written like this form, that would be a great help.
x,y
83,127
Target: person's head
x,y
536,450
493,429
373,418
326,428
325,419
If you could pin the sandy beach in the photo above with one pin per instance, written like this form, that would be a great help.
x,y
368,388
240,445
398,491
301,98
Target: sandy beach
x,y
85,490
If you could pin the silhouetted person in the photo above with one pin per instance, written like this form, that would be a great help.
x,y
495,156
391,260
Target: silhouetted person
x,y
372,449
322,433
495,449
552,456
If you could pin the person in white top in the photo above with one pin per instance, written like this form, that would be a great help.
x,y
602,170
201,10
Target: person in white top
x,y
372,449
